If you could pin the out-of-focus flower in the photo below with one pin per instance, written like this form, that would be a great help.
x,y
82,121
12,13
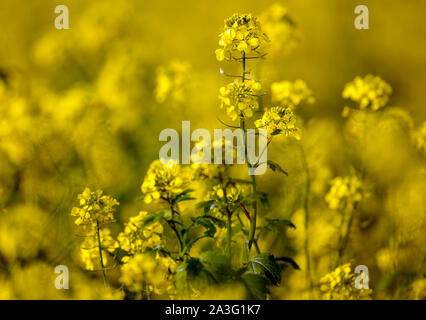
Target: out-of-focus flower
x,y
419,138
340,285
164,181
23,233
344,193
144,272
172,82
418,289
136,237
95,207
242,34
240,98
291,94
89,249
279,25
369,92
279,120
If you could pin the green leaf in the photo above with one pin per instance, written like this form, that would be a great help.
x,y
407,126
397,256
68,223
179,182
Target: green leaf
x,y
206,205
256,285
183,196
152,218
276,167
217,264
265,265
192,272
289,261
273,224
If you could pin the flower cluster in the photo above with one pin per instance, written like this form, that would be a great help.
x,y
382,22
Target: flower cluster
x,y
279,120
369,92
340,285
136,237
89,250
344,192
224,202
240,98
95,207
291,94
242,34
164,181
145,272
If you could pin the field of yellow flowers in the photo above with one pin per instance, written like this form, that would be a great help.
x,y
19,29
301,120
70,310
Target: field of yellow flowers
x,y
89,211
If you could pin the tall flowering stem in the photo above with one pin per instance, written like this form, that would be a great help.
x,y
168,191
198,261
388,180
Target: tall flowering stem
x,y
101,259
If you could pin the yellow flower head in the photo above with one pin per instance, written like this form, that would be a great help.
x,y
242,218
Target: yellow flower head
x,y
145,272
279,120
164,181
240,98
136,237
340,285
225,197
369,92
95,207
344,192
291,94
242,34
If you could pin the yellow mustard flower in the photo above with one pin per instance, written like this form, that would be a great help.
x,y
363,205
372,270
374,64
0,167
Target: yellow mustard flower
x,y
240,98
242,34
369,92
136,237
290,93
144,272
344,192
279,120
340,285
164,181
95,207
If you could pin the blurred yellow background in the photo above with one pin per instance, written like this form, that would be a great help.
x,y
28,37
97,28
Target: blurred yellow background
x,y
84,107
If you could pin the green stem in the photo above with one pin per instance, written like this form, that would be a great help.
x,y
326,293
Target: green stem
x,y
229,216
101,259
173,227
253,177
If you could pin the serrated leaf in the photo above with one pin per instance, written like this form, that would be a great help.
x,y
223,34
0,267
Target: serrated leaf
x,y
256,285
192,272
265,265
217,264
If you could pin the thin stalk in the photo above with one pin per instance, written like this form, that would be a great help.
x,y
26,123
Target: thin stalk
x,y
229,217
252,233
101,259
173,227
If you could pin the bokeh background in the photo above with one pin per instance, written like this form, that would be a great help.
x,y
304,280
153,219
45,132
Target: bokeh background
x,y
84,107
